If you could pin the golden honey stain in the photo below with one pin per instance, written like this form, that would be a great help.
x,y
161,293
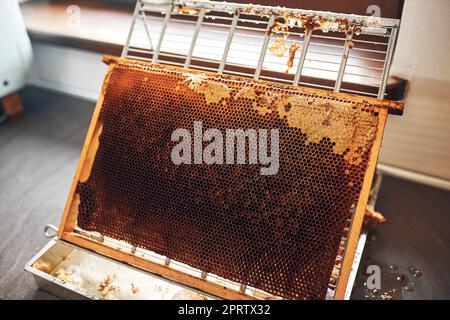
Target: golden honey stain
x,y
350,130
264,102
212,91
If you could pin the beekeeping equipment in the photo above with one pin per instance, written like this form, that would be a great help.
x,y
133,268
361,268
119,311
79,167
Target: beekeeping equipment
x,y
226,231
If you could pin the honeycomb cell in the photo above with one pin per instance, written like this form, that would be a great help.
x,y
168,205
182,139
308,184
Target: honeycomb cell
x,y
279,233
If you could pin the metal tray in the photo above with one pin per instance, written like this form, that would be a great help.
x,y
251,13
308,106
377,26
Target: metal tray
x,y
71,272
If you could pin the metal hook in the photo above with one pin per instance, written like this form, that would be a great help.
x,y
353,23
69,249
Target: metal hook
x,y
48,231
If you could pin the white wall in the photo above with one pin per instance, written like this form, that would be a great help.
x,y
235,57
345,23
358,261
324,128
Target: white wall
x,y
419,141
71,71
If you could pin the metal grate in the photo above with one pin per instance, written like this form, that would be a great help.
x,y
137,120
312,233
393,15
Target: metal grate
x,y
240,39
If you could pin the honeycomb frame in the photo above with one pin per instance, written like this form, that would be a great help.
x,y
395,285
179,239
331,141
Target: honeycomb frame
x,y
259,103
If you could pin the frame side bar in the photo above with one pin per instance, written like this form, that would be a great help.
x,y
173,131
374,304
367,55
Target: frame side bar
x,y
358,216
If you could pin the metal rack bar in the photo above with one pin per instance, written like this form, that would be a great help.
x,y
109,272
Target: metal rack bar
x,y
264,47
387,65
365,21
161,36
228,44
344,59
130,32
147,31
301,61
194,37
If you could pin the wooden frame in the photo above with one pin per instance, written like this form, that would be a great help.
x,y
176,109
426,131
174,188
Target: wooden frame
x,y
68,222
358,216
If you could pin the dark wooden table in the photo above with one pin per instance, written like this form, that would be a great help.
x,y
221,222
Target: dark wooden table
x,y
38,155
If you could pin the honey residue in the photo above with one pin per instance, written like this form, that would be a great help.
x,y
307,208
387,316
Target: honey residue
x,y
43,266
292,50
213,91
278,47
318,120
263,102
134,289
106,287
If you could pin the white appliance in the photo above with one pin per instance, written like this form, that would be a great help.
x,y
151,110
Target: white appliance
x,y
15,48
